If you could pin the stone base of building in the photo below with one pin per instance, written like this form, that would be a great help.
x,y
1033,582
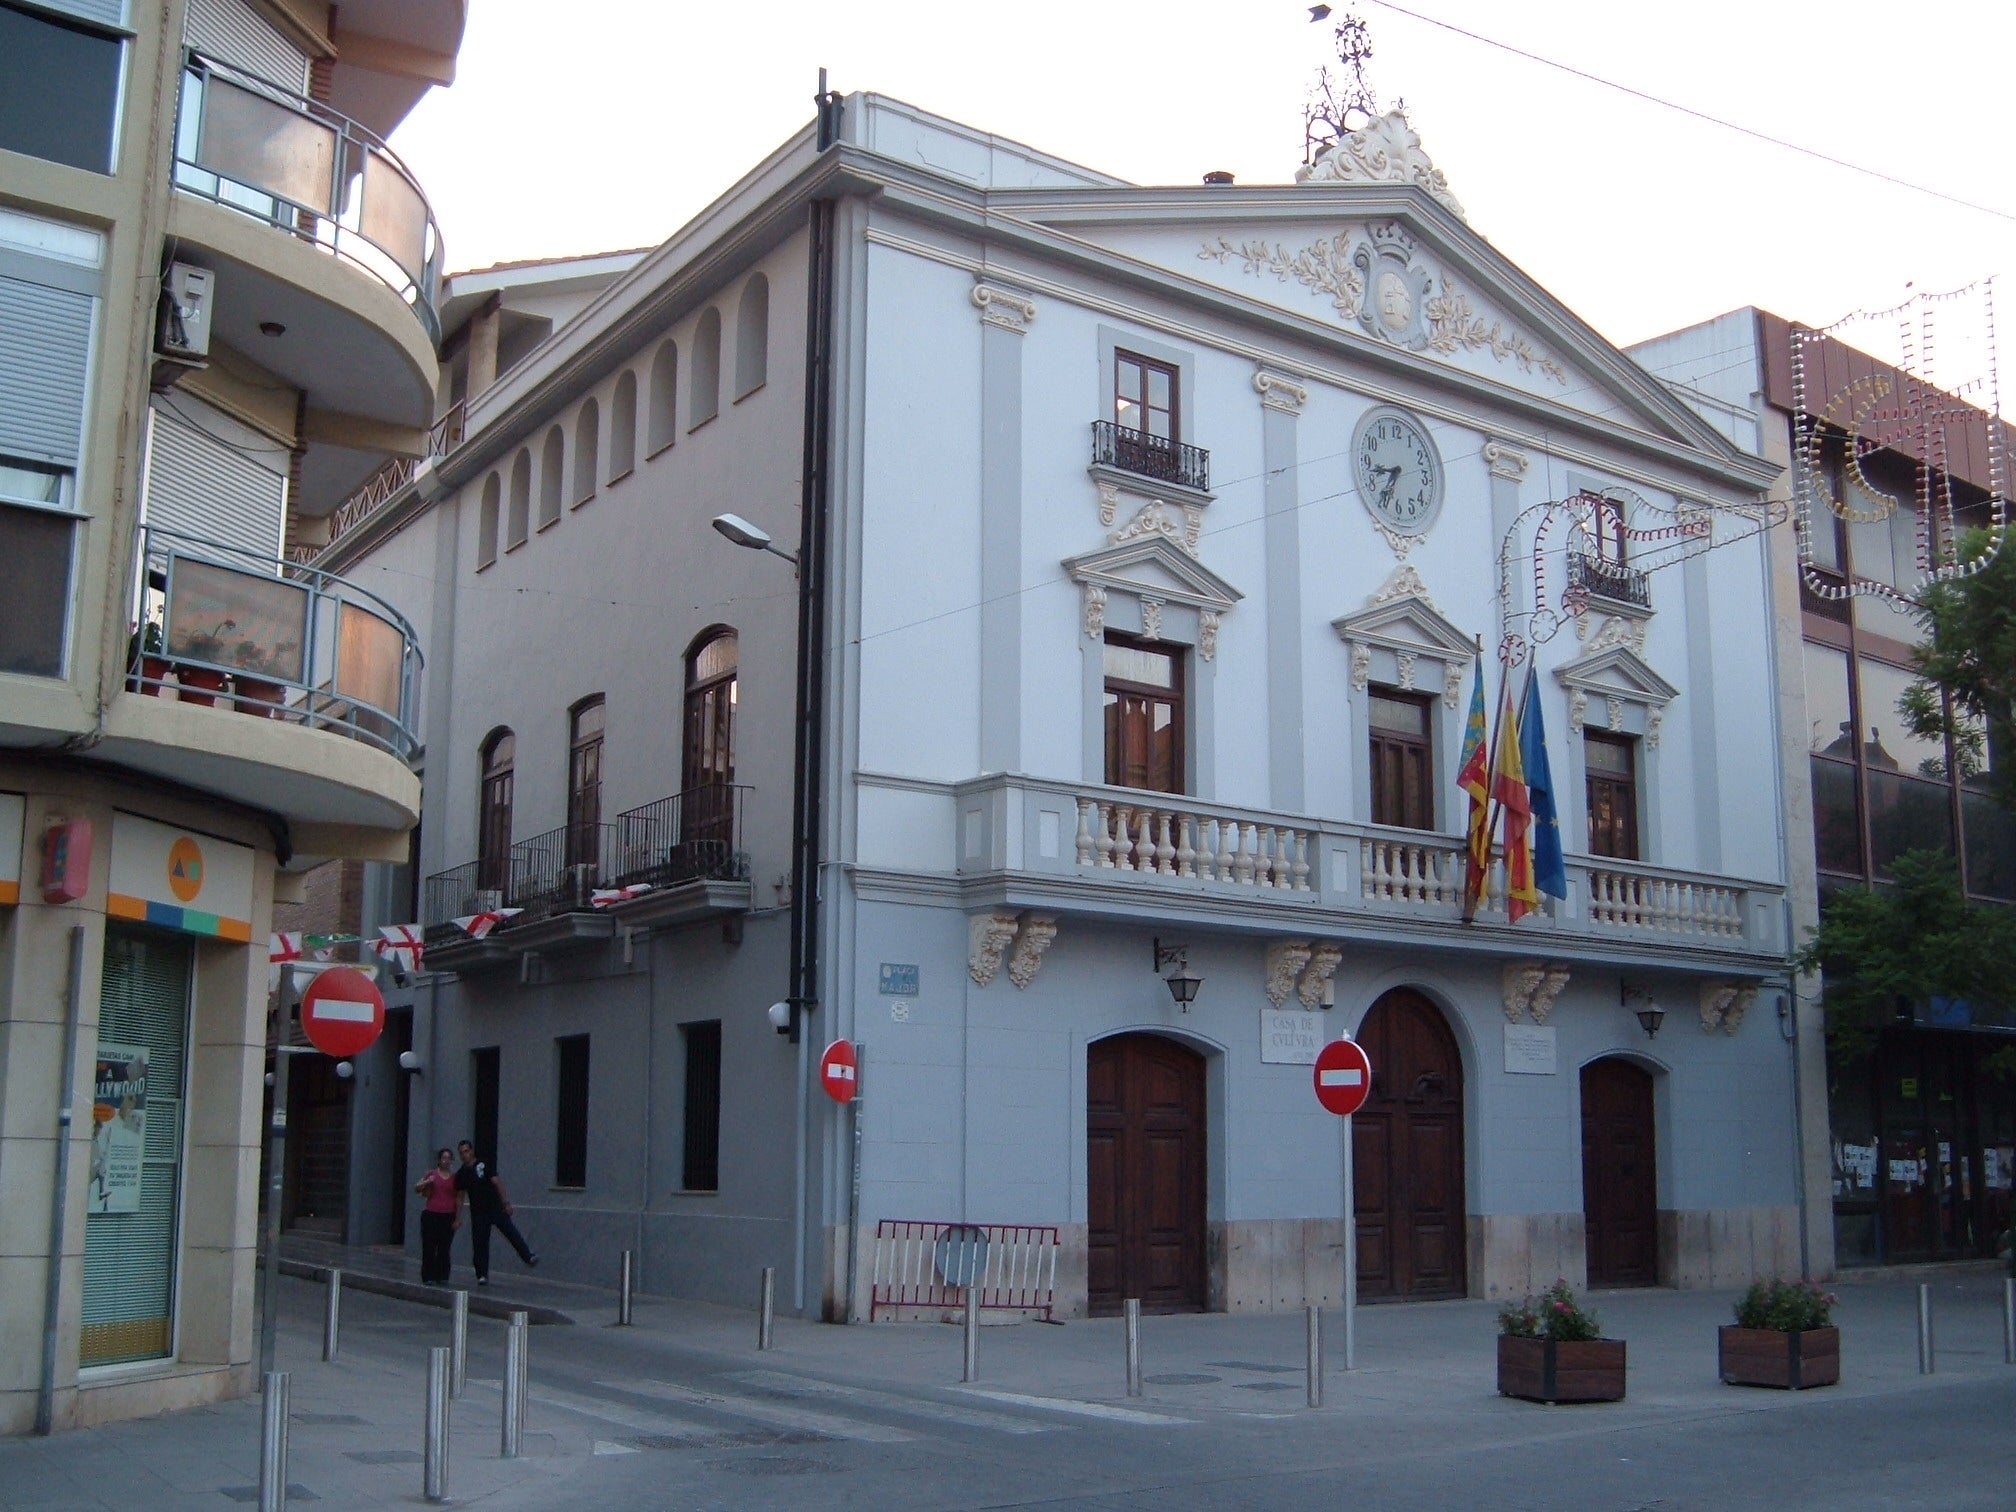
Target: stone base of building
x,y
172,1388
1520,1254
1720,1247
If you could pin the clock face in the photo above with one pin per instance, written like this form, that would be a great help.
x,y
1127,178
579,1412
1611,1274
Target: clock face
x,y
1398,472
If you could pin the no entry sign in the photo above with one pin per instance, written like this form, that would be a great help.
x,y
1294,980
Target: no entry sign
x,y
1343,1077
342,1012
839,1071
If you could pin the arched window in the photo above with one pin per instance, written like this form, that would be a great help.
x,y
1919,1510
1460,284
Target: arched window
x,y
552,458
486,522
706,811
706,369
584,781
664,400
518,524
587,450
623,427
752,337
493,814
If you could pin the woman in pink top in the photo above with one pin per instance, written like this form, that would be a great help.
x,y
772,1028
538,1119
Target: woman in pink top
x,y
440,1216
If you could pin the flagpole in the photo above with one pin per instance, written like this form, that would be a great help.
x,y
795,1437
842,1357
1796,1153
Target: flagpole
x,y
1491,804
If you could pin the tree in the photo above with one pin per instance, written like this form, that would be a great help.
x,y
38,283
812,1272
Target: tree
x,y
1969,655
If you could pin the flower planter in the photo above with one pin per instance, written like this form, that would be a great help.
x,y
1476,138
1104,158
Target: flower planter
x,y
150,677
256,696
1791,1361
1540,1370
200,685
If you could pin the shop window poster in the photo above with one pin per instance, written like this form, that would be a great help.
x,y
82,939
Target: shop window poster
x,y
118,1128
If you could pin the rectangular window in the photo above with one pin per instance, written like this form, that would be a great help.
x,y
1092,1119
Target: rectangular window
x,y
59,89
35,560
584,784
700,1171
1144,715
483,1076
1144,396
570,1137
1611,762
1403,760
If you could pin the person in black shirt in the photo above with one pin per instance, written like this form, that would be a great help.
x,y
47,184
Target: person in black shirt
x,y
489,1208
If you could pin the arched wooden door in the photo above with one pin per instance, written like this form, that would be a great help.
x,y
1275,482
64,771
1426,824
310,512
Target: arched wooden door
x,y
1407,1146
1145,1161
1620,1174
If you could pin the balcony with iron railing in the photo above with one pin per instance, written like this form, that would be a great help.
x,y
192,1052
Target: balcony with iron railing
x,y
1112,851
1601,578
679,858
1149,456
261,149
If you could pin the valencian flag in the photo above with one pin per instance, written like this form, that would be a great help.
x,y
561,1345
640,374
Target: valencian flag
x,y
1474,778
1508,786
1550,875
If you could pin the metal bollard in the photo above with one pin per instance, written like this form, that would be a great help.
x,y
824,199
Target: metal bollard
x,y
972,1332
458,1343
625,1282
2009,1322
1314,1322
1132,1308
515,1342
1925,1357
768,1307
439,1371
332,1316
273,1444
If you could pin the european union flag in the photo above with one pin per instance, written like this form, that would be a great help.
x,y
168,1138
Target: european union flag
x,y
1550,875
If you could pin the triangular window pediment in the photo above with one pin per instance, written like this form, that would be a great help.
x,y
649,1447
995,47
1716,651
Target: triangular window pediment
x,y
1155,567
1407,624
1617,672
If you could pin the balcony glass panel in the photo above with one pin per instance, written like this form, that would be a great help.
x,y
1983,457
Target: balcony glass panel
x,y
394,216
1837,826
267,146
247,621
369,658
1907,814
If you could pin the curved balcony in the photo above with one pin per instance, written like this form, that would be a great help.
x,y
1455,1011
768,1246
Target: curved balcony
x,y
253,146
223,629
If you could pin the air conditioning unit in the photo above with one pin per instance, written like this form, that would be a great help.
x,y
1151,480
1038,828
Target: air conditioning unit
x,y
182,329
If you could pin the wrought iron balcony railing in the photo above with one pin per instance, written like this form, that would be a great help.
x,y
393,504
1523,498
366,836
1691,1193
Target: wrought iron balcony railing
x,y
312,172
1149,456
1601,578
221,627
685,838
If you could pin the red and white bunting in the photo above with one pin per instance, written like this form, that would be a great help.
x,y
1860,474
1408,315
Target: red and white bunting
x,y
283,946
400,944
602,897
477,925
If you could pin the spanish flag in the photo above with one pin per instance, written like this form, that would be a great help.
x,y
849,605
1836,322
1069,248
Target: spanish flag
x,y
1508,786
1474,778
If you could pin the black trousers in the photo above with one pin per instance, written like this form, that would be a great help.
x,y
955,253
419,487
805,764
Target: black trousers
x,y
437,1235
480,1225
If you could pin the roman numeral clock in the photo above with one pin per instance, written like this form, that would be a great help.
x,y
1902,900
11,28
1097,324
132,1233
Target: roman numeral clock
x,y
1398,473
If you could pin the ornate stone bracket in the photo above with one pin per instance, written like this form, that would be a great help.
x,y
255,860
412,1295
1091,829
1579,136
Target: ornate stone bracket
x,y
1038,930
1732,1020
1552,983
1095,611
1152,519
1207,634
1517,982
987,939
1715,1000
1324,957
1505,461
1285,960
1004,308
1278,393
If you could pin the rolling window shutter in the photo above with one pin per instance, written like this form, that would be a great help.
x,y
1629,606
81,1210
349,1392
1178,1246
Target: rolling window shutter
x,y
45,351
217,489
231,32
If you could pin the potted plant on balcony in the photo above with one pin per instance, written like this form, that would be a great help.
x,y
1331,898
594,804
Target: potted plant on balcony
x,y
1551,1349
147,668
200,685
1781,1337
258,691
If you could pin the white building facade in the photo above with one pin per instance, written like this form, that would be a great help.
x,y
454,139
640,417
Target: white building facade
x,y
1160,533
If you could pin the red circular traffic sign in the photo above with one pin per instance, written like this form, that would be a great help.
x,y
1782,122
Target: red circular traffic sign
x,y
342,1012
839,1071
1343,1077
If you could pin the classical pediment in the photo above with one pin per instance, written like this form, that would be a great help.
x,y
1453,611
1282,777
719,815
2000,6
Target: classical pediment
x,y
1617,672
1154,567
1408,623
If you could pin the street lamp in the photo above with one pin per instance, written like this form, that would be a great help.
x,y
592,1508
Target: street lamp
x,y
755,537
1183,982
1650,1014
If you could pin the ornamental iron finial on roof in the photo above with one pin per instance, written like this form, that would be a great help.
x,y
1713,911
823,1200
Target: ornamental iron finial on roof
x,y
1338,105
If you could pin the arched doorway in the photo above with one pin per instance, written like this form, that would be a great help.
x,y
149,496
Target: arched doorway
x,y
1145,1162
1407,1146
1620,1174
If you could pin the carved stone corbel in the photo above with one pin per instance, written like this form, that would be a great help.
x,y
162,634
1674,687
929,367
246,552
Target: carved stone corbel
x,y
987,937
1361,666
1517,982
1095,611
1207,634
1578,710
1504,461
1715,1000
1109,501
1452,684
1552,982
1732,1017
1285,960
1278,393
1004,308
1323,959
1151,618
1037,931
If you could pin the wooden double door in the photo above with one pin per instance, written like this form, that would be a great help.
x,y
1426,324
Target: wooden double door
x,y
1620,1174
1145,1156
1407,1149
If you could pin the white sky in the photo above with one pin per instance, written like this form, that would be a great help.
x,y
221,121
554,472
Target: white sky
x,y
600,124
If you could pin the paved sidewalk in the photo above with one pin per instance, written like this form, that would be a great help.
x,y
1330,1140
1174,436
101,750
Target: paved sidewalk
x,y
689,1375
